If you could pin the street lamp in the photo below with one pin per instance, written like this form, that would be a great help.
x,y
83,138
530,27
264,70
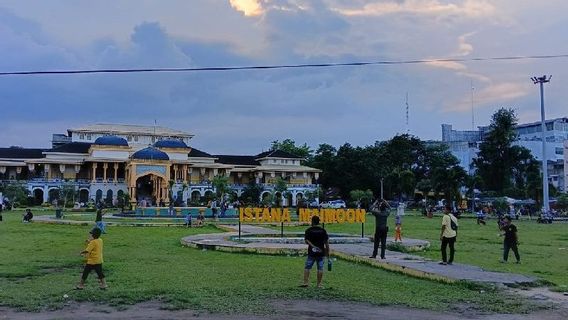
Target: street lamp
x,y
541,81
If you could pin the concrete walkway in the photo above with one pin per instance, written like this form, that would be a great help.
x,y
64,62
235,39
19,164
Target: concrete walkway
x,y
351,250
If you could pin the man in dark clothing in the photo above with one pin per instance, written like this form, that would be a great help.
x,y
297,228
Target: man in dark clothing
x,y
380,210
511,240
318,247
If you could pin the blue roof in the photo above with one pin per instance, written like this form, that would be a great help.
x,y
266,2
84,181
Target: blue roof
x,y
111,141
150,153
170,143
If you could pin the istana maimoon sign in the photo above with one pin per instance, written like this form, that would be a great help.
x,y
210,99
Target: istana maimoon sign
x,y
272,215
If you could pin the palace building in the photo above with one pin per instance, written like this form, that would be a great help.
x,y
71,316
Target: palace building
x,y
105,161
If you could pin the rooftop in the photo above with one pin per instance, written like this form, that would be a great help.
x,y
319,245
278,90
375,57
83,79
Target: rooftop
x,y
110,128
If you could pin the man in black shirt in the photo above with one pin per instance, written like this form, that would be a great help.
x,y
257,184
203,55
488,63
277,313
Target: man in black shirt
x,y
511,240
380,210
318,247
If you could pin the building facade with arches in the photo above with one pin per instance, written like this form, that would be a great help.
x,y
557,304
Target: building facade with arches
x,y
104,162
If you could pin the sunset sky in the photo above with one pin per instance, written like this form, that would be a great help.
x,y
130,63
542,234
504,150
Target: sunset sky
x,y
241,112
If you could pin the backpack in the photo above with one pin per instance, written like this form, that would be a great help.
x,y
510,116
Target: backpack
x,y
453,224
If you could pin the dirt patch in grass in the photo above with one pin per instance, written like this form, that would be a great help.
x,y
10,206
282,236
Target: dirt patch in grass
x,y
287,309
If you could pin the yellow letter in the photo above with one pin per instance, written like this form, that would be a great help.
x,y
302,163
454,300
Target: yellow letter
x,y
266,215
350,215
286,215
276,214
257,212
241,214
360,215
340,215
304,215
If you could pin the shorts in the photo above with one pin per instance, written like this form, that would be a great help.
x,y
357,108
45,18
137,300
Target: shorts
x,y
98,269
310,263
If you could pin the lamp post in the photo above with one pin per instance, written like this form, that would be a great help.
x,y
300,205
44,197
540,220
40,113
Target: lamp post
x,y
541,81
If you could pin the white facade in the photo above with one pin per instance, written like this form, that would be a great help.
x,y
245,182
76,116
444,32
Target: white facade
x,y
465,145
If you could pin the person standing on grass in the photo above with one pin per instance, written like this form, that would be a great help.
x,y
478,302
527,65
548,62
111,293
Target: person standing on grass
x,y
398,228
318,247
380,209
94,255
511,240
448,235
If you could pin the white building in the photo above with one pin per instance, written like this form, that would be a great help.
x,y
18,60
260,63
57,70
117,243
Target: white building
x,y
465,145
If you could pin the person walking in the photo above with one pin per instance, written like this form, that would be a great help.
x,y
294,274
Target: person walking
x,y
511,240
448,235
317,240
398,228
94,255
380,209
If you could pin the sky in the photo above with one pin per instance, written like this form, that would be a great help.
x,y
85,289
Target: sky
x,y
242,112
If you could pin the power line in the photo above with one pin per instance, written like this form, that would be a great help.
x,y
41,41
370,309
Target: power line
x,y
285,66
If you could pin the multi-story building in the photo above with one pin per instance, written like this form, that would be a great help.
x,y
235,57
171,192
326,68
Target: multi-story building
x,y
104,161
465,145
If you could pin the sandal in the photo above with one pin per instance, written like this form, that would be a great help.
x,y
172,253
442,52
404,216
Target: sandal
x,y
303,286
79,288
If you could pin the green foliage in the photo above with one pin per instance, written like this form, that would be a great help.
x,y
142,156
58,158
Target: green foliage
x,y
221,185
362,198
289,145
562,202
502,165
401,162
16,192
501,204
281,186
251,193
68,194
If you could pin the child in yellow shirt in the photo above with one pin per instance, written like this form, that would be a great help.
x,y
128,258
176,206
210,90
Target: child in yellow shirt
x,y
94,255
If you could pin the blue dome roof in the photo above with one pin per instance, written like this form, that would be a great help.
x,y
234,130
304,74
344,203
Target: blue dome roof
x,y
170,143
150,153
111,141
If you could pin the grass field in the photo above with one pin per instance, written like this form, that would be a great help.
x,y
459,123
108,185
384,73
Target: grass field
x,y
39,263
543,247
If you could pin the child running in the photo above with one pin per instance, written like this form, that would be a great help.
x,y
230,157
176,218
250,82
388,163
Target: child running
x,y
94,255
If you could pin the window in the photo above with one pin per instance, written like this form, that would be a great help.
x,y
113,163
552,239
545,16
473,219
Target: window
x,y
559,150
153,139
135,138
129,138
88,137
82,136
281,161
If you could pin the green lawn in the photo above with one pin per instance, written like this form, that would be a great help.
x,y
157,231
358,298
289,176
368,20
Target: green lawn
x,y
543,248
39,263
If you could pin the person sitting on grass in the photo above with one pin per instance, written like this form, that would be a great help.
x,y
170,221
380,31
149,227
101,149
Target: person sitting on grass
x,y
28,216
200,219
94,255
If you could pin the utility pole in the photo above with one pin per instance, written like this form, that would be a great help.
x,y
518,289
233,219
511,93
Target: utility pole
x,y
382,196
541,81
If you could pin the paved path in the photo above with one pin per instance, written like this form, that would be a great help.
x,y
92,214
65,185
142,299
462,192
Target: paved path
x,y
353,250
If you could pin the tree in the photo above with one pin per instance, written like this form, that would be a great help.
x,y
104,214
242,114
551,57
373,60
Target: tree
x,y
280,186
16,193
289,145
251,193
69,194
562,201
221,185
361,198
500,164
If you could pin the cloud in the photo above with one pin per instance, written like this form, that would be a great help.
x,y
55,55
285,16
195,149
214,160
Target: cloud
x,y
468,8
247,7
491,95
